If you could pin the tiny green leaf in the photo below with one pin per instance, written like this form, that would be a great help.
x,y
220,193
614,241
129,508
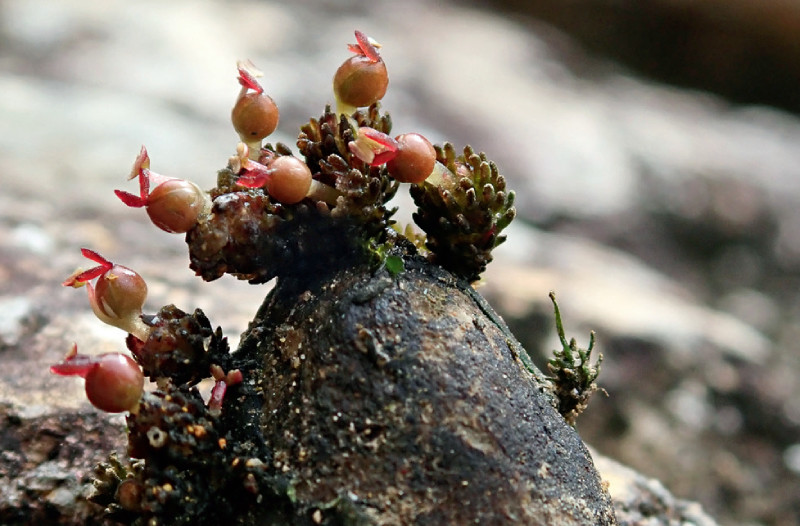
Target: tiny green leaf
x,y
394,264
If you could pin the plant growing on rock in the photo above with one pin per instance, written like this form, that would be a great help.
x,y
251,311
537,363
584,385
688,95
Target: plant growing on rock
x,y
374,385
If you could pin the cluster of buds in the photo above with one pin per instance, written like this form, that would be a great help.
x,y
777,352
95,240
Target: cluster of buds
x,y
360,82
274,213
254,117
285,178
463,211
170,345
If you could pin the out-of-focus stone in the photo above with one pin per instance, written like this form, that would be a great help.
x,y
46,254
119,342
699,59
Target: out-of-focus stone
x,y
743,49
642,501
47,461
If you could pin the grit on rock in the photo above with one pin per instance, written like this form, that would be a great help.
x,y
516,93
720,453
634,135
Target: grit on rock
x,y
665,219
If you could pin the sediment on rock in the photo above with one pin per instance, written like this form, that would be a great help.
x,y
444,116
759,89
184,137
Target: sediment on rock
x,y
405,400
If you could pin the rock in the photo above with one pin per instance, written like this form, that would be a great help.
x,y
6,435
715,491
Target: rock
x,y
398,391
742,49
47,464
640,501
49,492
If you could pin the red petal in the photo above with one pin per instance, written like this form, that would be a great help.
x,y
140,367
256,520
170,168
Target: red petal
x,y
155,179
140,169
217,395
367,49
254,174
129,199
252,179
383,158
142,162
381,138
72,280
144,183
249,81
97,258
86,275
77,365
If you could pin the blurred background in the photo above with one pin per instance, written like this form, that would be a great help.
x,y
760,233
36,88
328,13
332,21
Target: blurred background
x,y
653,147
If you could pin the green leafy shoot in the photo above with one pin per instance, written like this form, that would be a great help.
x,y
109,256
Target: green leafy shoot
x,y
572,372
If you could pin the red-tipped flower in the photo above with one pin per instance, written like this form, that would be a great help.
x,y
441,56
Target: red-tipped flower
x,y
174,205
114,382
362,79
255,115
286,178
118,296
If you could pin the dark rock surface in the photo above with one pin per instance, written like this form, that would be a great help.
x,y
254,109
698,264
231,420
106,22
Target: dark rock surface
x,y
374,388
743,49
47,464
664,219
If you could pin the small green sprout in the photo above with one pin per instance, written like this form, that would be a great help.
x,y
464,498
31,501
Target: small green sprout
x,y
573,373
394,264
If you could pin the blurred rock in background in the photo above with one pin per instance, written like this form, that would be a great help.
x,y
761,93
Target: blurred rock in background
x,y
664,218
745,50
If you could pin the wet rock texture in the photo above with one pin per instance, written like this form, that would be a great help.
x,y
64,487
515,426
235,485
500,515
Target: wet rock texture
x,y
47,465
405,397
